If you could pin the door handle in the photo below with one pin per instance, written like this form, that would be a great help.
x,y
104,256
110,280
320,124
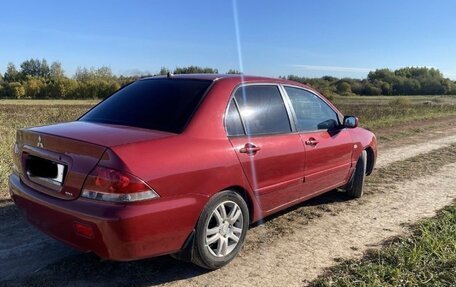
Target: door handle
x,y
250,149
312,142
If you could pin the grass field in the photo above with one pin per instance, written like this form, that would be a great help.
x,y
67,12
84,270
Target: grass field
x,y
385,100
381,112
373,112
426,258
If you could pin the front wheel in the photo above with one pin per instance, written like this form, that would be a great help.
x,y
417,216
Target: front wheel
x,y
221,230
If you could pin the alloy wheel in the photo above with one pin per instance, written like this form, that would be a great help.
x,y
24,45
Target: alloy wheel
x,y
224,229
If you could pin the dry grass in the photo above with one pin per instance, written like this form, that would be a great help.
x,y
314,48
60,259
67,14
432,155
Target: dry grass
x,y
381,112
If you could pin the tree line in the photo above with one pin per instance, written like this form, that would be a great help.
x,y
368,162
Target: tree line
x,y
403,81
36,79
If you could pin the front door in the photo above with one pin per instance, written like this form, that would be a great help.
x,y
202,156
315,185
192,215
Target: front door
x,y
328,145
328,159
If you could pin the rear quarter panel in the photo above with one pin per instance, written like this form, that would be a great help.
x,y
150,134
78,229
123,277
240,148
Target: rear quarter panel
x,y
182,164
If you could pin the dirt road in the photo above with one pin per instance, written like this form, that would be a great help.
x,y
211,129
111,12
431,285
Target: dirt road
x,y
303,256
291,248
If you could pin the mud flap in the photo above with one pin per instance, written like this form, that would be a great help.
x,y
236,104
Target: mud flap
x,y
186,253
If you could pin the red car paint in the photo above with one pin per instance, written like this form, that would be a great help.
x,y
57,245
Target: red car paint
x,y
185,169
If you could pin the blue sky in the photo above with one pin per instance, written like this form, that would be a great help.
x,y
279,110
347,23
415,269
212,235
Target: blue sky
x,y
308,38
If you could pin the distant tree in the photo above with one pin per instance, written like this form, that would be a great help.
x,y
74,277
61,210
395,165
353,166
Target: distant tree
x,y
384,75
124,80
385,87
432,86
103,73
298,79
357,87
56,71
35,68
15,90
67,88
11,74
164,71
45,70
406,86
82,74
403,81
35,79
58,88
343,88
449,86
370,90
233,71
452,88
34,87
195,70
330,79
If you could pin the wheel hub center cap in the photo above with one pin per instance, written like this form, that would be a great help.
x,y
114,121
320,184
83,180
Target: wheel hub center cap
x,y
224,228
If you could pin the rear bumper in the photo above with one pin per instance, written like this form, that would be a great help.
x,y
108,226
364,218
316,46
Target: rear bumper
x,y
120,231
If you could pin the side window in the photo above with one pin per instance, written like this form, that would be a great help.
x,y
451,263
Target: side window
x,y
262,110
233,121
312,113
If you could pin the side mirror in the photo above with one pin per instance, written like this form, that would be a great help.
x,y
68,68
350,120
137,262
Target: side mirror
x,y
350,122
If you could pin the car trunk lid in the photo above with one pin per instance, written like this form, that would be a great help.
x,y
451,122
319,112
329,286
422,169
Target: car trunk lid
x,y
56,159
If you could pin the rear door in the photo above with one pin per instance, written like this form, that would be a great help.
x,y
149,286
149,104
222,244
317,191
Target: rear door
x,y
328,146
271,156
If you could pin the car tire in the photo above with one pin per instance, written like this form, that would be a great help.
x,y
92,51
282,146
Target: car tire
x,y
355,188
221,230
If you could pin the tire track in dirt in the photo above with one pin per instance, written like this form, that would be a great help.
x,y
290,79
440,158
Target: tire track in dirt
x,y
404,152
298,259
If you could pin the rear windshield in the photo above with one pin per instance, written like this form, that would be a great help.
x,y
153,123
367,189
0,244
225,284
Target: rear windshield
x,y
160,104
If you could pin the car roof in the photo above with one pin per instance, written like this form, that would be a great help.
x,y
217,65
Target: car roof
x,y
236,77
212,77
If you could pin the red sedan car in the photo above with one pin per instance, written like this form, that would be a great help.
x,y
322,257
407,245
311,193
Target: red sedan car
x,y
183,164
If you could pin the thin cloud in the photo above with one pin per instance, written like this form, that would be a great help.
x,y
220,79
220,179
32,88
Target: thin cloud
x,y
332,68
449,75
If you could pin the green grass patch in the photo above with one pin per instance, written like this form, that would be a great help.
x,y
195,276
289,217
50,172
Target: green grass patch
x,y
425,258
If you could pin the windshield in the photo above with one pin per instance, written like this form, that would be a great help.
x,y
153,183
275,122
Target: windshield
x,y
161,104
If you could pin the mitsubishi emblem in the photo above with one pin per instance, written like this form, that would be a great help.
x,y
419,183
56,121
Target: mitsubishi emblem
x,y
39,143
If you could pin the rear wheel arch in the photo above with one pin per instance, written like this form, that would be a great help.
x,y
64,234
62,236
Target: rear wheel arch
x,y
186,252
206,250
245,195
370,160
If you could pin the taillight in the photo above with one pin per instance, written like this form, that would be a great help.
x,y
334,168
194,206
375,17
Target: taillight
x,y
113,185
